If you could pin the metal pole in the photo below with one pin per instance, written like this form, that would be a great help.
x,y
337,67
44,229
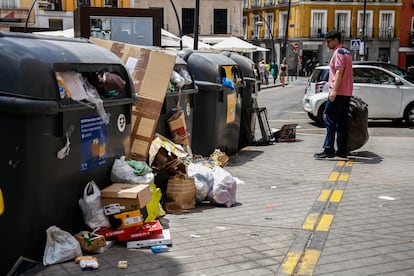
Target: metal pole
x,y
196,23
179,24
28,15
285,42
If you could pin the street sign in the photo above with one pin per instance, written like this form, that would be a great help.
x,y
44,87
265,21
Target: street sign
x,y
355,44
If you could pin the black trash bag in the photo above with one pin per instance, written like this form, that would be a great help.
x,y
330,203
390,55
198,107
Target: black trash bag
x,y
358,124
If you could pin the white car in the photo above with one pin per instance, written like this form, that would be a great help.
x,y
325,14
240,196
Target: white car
x,y
387,89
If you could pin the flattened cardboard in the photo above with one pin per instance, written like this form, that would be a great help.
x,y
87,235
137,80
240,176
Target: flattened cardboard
x,y
164,239
150,71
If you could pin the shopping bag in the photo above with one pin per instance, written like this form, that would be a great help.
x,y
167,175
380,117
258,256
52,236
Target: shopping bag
x,y
180,194
92,209
60,246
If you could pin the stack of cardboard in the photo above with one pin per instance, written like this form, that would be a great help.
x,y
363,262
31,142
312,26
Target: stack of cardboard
x,y
150,71
125,205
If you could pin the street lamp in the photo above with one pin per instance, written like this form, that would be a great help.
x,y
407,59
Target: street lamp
x,y
260,23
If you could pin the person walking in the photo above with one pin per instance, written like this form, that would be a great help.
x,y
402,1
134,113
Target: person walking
x,y
274,70
340,83
308,68
283,72
262,71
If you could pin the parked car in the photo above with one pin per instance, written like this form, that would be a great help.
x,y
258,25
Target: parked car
x,y
387,89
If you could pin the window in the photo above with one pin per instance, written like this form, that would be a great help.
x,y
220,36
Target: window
x,y
368,23
220,21
54,5
83,3
244,27
9,4
56,24
372,75
188,21
386,22
318,23
343,23
111,3
269,26
245,4
255,31
282,23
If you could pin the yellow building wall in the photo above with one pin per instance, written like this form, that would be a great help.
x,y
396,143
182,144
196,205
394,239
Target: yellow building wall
x,y
300,17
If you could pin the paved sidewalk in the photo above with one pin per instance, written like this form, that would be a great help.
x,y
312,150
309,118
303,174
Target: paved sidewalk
x,y
337,217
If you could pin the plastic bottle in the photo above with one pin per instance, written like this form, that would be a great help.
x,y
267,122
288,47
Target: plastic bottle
x,y
159,248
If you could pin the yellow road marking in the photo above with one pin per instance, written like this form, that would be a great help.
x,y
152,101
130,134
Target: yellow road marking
x,y
323,196
290,263
310,221
309,260
336,196
325,222
343,177
333,176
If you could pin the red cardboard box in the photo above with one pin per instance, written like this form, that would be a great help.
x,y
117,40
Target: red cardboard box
x,y
148,230
113,233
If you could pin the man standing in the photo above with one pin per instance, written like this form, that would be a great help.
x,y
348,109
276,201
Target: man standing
x,y
340,83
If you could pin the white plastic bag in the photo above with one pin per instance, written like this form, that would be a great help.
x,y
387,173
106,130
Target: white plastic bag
x,y
122,172
224,187
204,179
91,206
61,246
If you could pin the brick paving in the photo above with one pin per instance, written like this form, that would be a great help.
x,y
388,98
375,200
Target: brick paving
x,y
281,182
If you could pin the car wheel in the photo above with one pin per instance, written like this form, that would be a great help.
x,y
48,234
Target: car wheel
x,y
321,115
409,114
312,117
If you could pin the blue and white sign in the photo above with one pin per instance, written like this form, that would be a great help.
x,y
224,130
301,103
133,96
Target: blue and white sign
x,y
93,142
355,44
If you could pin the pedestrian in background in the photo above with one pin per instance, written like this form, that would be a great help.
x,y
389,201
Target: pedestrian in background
x,y
262,71
283,72
340,83
274,70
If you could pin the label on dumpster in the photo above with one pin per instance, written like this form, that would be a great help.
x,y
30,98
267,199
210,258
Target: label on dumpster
x,y
231,107
93,142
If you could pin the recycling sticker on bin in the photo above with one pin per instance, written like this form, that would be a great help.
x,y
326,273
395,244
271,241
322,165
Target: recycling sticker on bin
x,y
93,142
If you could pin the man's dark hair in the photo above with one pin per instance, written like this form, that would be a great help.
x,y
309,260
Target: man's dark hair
x,y
333,35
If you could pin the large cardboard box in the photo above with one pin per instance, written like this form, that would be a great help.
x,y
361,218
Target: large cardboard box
x,y
129,197
150,71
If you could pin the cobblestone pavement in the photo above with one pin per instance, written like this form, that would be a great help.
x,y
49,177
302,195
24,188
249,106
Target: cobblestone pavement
x,y
294,216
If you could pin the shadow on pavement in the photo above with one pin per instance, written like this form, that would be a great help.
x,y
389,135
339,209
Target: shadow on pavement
x,y
366,157
243,157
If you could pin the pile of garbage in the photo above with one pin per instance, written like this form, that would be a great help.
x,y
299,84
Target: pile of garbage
x,y
129,210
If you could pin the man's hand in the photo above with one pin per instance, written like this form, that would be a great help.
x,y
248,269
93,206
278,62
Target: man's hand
x,y
332,95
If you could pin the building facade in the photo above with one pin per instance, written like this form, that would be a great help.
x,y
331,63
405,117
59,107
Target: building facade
x,y
216,17
373,23
406,49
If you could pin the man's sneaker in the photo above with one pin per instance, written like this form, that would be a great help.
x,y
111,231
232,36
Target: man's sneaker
x,y
323,154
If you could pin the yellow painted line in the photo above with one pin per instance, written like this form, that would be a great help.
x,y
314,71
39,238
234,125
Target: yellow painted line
x,y
289,265
343,177
310,221
309,261
325,222
324,195
336,196
333,176
340,163
349,163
